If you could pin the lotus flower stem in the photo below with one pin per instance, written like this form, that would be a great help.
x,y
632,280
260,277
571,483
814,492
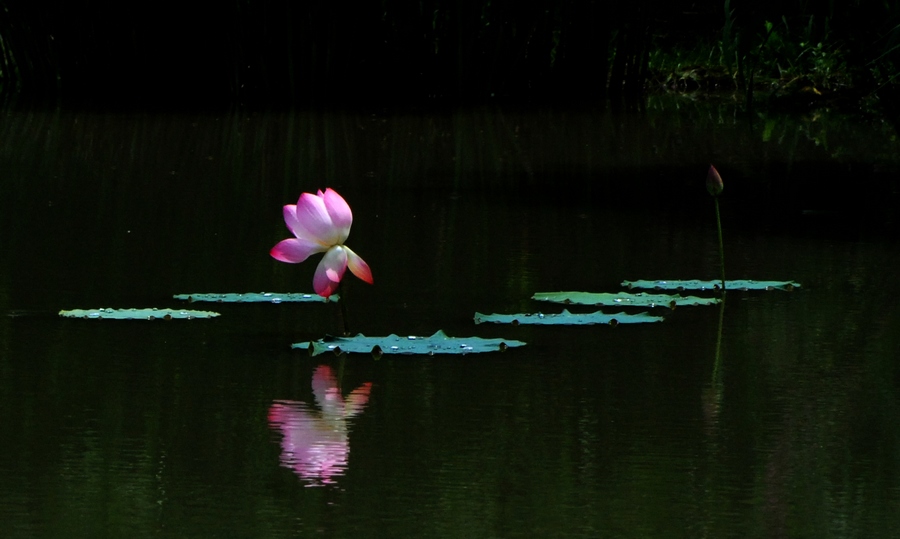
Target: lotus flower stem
x,y
343,314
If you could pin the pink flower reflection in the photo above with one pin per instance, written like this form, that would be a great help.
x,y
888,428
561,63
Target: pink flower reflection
x,y
315,442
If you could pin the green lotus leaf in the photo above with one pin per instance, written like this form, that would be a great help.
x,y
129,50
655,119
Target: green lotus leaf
x,y
567,318
439,343
622,299
695,284
257,297
137,314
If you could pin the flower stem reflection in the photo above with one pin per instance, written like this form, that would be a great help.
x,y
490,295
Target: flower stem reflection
x,y
315,441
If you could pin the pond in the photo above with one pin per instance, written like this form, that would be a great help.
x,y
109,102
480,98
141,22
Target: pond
x,y
214,428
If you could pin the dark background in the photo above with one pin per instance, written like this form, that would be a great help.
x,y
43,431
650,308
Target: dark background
x,y
284,53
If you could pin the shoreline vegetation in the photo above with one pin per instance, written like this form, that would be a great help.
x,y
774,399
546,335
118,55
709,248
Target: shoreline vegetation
x,y
788,55
785,69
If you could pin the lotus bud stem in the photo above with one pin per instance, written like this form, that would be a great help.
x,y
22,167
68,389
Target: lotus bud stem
x,y
715,187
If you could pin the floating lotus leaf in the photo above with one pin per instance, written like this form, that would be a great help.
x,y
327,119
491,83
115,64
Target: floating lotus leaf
x,y
439,343
257,297
626,299
567,318
137,314
694,284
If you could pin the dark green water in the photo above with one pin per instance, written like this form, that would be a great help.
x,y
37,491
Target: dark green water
x,y
179,429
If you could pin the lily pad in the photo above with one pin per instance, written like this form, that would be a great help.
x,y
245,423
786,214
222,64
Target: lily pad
x,y
439,343
257,297
567,318
626,299
694,284
137,314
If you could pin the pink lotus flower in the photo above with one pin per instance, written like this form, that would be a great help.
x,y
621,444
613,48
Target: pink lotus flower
x,y
321,224
315,444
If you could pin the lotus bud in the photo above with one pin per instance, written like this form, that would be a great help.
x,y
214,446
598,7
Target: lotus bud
x,y
714,182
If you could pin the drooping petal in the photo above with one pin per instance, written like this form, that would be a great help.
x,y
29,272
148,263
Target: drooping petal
x,y
339,211
314,222
330,271
358,266
295,250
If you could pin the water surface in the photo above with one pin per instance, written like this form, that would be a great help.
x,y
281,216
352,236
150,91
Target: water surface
x,y
217,428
